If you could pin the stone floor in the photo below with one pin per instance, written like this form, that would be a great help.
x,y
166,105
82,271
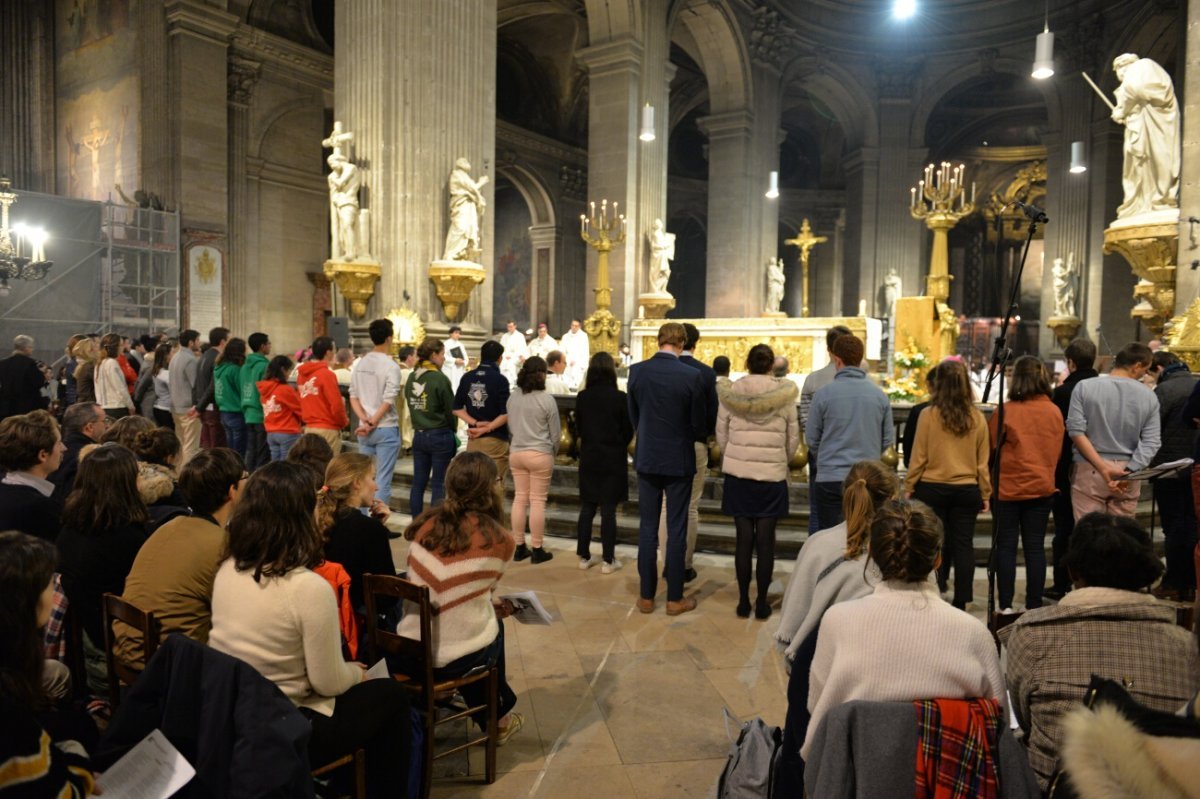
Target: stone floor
x,y
624,705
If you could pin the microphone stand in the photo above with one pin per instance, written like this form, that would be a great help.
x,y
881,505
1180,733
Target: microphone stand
x,y
1000,358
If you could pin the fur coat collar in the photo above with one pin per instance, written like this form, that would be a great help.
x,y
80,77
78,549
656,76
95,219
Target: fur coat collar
x,y
757,396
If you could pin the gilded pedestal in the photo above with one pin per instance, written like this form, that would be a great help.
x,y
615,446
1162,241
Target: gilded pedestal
x,y
1150,250
1183,339
655,306
454,281
356,281
1065,328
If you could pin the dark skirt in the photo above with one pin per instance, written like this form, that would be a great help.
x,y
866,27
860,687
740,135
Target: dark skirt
x,y
754,498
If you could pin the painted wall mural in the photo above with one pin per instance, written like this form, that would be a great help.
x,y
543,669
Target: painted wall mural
x,y
513,258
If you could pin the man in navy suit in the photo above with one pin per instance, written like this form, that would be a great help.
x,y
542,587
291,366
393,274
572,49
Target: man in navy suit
x,y
667,408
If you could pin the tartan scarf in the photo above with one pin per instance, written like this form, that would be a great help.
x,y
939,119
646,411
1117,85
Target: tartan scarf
x,y
956,742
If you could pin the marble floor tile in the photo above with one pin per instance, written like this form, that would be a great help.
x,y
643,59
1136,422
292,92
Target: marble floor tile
x,y
685,779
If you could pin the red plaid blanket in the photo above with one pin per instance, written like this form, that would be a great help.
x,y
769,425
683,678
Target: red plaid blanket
x,y
54,639
956,739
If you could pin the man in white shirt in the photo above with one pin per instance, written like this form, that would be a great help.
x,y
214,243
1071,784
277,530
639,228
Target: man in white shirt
x,y
544,344
456,357
555,382
374,384
575,346
515,351
407,356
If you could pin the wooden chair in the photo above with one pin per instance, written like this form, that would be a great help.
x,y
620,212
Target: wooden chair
x,y
999,621
428,692
359,761
117,609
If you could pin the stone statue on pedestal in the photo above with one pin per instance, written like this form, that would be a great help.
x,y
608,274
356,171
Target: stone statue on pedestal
x,y
1064,286
775,283
343,203
892,291
466,208
662,252
1146,106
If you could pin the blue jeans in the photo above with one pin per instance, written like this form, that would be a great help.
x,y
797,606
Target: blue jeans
x,y
383,443
235,431
653,490
280,444
1027,519
431,451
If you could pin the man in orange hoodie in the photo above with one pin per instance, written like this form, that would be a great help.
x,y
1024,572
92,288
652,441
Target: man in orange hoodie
x,y
321,405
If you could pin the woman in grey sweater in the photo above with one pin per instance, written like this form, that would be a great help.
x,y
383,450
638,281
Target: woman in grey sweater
x,y
533,428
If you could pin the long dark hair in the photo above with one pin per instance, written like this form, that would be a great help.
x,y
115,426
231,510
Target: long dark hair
x,y
26,567
162,355
235,352
106,494
472,489
278,369
602,371
532,376
953,399
273,529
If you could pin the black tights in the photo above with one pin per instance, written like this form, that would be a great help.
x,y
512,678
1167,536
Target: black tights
x,y
755,536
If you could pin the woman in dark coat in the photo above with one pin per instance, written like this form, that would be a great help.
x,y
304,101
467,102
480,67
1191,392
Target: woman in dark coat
x,y
604,430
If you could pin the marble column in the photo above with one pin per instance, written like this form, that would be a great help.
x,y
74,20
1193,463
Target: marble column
x,y
244,316
416,84
862,188
27,134
656,73
736,274
1187,279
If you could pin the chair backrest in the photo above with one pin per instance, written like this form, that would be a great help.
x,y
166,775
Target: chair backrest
x,y
117,609
381,641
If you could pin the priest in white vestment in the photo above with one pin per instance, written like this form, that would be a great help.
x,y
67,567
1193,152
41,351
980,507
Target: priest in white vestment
x,y
515,351
575,347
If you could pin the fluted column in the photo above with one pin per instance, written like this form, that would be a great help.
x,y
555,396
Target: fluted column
x,y
862,186
656,73
27,136
736,276
415,81
244,315
1187,280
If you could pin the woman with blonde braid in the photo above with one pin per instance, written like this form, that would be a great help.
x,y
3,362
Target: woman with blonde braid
x,y
829,568
355,540
903,642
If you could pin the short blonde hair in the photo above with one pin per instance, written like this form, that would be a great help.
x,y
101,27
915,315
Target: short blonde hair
x,y
673,334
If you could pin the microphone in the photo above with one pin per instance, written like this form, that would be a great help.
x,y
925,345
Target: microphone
x,y
1032,211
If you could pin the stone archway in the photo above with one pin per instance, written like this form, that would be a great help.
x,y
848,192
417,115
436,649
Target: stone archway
x,y
525,259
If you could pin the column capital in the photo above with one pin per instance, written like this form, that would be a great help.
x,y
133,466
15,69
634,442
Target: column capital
x,y
727,124
543,235
619,55
200,20
243,75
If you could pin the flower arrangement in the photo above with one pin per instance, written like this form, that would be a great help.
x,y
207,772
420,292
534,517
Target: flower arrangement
x,y
902,389
912,356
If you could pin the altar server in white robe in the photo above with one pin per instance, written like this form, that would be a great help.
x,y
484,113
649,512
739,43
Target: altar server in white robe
x,y
544,343
515,351
574,345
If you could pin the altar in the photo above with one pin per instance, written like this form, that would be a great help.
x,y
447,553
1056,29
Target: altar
x,y
800,340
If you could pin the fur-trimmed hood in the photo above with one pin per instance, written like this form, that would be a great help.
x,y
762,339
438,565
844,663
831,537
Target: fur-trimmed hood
x,y
154,482
757,396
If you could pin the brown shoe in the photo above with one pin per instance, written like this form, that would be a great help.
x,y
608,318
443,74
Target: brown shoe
x,y
646,605
682,606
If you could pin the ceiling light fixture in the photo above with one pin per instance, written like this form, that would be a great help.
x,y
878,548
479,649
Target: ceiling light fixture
x,y
1078,158
1043,52
773,186
904,9
647,133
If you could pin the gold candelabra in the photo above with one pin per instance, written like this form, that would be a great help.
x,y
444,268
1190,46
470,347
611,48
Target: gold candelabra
x,y
933,200
602,232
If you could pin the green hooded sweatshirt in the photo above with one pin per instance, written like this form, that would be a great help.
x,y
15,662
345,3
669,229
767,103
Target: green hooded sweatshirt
x,y
252,371
227,387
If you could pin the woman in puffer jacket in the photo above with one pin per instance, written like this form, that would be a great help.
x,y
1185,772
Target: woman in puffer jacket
x,y
758,432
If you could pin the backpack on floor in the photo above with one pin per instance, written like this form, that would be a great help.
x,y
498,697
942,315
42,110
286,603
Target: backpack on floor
x,y
750,771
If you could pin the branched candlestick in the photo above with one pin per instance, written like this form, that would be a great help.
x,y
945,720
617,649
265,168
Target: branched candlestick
x,y
602,231
940,199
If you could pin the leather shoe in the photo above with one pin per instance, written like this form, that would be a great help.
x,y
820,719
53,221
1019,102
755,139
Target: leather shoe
x,y
689,575
682,606
646,605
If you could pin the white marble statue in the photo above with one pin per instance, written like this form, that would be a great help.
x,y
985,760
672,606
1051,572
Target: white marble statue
x,y
775,283
1064,286
662,252
466,208
892,291
1146,106
343,205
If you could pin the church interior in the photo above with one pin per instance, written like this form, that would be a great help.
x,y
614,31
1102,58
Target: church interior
x,y
920,171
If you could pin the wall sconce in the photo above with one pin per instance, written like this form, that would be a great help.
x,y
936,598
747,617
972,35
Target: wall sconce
x,y
647,133
773,186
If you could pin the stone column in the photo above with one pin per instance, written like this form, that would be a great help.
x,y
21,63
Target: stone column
x,y
543,240
656,73
1105,158
736,275
27,132
416,84
1187,279
862,187
243,74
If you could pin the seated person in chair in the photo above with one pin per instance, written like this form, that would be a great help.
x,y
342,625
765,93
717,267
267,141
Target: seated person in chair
x,y
462,538
903,641
1108,626
270,610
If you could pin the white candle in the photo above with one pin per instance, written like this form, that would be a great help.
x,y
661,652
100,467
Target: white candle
x,y
972,192
913,204
582,224
862,307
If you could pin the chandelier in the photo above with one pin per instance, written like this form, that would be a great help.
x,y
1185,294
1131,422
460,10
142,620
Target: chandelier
x,y
14,264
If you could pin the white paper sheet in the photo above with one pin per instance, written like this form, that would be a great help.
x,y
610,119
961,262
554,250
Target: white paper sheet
x,y
379,671
529,609
154,769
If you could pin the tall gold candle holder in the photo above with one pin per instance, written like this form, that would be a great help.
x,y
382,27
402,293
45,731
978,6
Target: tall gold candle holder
x,y
602,230
940,200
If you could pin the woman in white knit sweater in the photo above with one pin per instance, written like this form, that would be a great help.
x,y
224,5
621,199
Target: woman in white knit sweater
x,y
112,392
903,642
270,610
830,568
757,431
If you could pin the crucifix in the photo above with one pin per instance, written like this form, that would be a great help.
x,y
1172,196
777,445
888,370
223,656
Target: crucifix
x,y
337,138
805,240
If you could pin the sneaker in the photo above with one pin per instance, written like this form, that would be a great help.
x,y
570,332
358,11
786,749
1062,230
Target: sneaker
x,y
1007,612
521,553
608,567
539,555
515,722
586,563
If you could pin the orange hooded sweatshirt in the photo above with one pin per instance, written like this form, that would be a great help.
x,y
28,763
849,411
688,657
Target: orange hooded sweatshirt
x,y
281,407
321,403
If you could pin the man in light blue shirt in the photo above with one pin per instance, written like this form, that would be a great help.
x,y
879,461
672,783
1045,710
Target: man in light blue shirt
x,y
850,420
374,384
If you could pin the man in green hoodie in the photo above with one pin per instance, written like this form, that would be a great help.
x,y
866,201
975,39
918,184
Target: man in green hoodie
x,y
253,371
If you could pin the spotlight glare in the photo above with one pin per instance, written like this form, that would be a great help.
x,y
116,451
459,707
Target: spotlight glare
x,y
904,9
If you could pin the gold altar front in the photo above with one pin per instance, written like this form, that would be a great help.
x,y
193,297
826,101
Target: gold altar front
x,y
917,320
